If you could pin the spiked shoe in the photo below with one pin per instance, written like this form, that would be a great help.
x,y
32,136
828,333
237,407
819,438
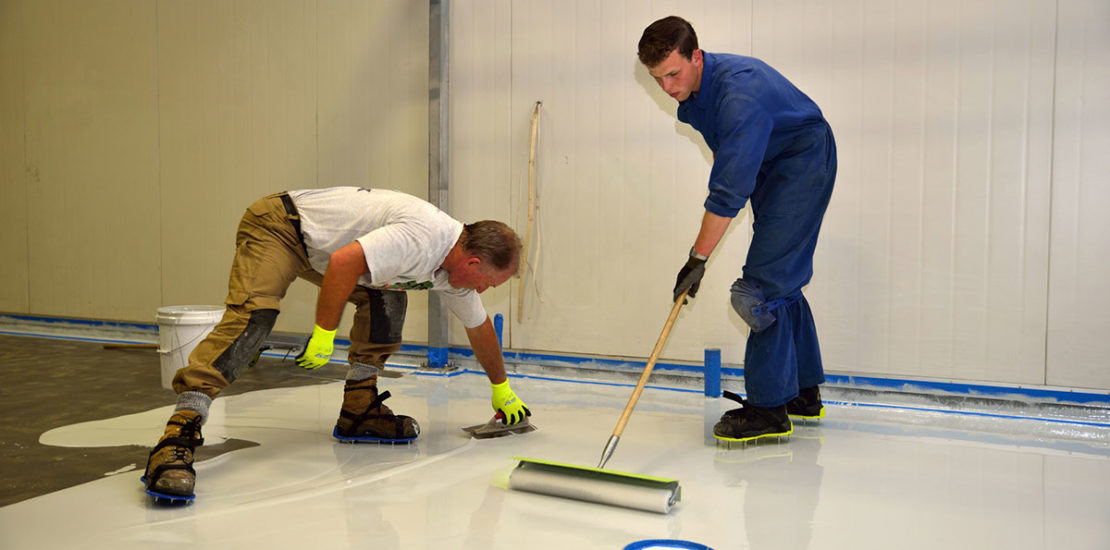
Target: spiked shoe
x,y
807,405
169,470
750,422
364,418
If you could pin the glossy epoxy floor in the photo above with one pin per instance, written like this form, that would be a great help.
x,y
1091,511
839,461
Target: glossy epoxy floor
x,y
862,478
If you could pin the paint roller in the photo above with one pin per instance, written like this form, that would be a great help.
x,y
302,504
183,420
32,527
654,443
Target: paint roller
x,y
610,487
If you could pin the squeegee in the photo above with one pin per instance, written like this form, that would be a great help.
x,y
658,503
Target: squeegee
x,y
606,486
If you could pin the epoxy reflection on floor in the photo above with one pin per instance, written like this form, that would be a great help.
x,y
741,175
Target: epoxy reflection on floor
x,y
852,481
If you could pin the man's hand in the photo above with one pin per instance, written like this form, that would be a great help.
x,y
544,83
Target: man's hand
x,y
318,350
689,277
508,404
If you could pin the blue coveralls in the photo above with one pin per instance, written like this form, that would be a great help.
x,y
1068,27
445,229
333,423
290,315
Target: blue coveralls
x,y
772,145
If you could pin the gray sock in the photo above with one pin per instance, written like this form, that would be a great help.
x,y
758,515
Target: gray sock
x,y
194,401
360,371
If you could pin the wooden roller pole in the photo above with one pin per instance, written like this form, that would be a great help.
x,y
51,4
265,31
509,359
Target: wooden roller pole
x,y
608,452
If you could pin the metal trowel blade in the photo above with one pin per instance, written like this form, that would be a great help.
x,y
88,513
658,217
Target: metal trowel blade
x,y
496,428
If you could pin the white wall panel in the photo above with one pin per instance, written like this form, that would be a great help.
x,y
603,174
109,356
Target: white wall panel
x,y
964,241
90,158
237,114
14,278
135,133
372,116
933,258
482,130
620,190
1078,346
263,97
373,94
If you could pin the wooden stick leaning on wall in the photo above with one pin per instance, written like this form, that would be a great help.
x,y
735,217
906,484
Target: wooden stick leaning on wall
x,y
531,213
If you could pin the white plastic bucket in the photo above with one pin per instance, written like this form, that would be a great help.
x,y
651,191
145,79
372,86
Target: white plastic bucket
x,y
180,329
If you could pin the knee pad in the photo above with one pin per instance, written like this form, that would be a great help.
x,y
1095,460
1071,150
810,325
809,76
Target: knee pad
x,y
759,313
387,315
748,301
235,358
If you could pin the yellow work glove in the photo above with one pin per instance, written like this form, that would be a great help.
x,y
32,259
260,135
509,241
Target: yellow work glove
x,y
505,402
318,350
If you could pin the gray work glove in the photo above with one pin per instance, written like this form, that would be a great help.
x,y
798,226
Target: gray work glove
x,y
689,277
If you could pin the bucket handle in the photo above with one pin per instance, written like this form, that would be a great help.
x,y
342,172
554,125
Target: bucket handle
x,y
166,351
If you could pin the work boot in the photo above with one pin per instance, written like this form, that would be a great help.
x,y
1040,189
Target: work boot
x,y
169,470
807,405
365,418
751,422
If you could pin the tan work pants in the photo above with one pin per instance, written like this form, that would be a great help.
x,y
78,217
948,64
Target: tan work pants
x,y
269,256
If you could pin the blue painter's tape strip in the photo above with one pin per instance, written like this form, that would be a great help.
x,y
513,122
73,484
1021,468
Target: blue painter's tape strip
x,y
1062,396
976,414
665,543
81,322
1066,396
971,389
569,360
73,338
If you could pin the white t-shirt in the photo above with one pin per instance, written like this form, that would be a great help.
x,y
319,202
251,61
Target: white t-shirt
x,y
404,239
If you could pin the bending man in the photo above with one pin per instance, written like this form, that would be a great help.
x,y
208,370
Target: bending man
x,y
364,246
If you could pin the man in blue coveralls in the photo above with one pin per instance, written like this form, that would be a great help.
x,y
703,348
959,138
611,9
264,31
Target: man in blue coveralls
x,y
771,145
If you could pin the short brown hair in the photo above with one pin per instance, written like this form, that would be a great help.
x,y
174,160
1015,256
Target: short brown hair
x,y
664,36
493,242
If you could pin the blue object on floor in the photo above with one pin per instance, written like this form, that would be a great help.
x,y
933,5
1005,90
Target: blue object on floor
x,y
712,372
666,543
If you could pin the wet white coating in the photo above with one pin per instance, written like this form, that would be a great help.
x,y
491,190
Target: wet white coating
x,y
862,478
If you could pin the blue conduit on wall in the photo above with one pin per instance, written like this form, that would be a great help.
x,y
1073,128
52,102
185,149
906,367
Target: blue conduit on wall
x,y
498,325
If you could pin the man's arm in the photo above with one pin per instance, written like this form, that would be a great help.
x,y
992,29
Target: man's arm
x,y
713,228
345,266
483,340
